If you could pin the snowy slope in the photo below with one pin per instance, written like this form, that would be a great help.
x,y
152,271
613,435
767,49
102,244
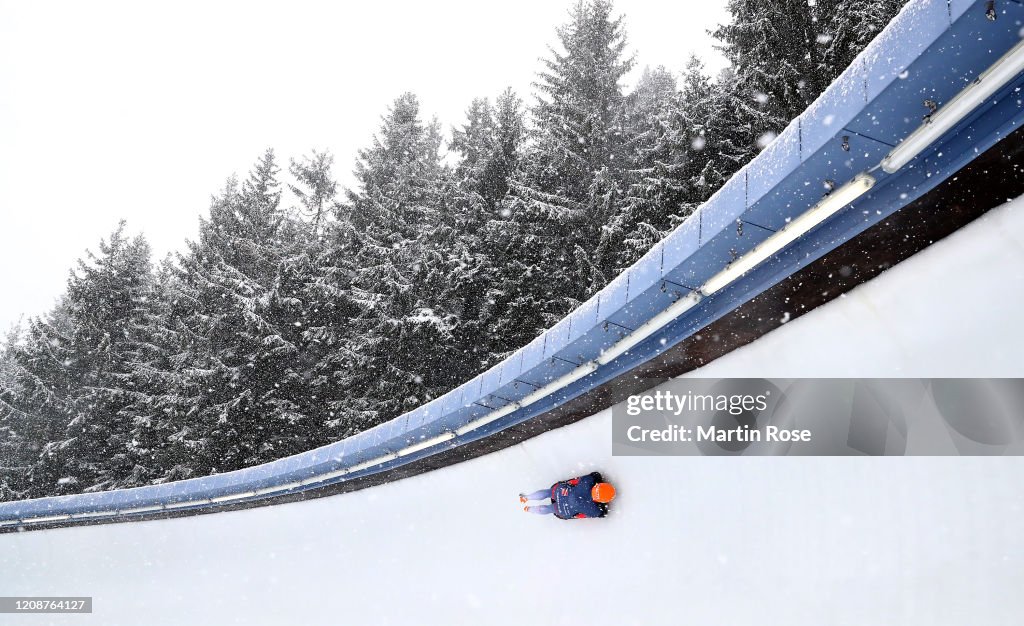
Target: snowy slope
x,y
952,310
691,540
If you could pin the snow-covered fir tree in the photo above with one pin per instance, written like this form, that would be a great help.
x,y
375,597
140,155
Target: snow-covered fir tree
x,y
239,296
71,376
164,438
571,176
18,450
656,188
315,186
395,212
489,145
39,390
107,298
784,53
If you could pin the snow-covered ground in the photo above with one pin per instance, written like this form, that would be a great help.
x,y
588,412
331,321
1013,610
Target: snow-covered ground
x,y
952,310
691,540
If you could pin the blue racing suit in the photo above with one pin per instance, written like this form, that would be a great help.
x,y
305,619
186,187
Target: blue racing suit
x,y
572,499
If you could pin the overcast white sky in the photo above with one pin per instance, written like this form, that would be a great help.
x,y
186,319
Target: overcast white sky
x,y
140,110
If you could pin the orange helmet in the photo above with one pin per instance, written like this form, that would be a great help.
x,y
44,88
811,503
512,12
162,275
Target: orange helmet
x,y
602,492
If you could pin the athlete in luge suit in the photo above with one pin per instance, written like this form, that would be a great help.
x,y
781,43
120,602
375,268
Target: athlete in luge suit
x,y
575,498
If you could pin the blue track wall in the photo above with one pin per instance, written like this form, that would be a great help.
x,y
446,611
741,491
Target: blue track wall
x,y
932,50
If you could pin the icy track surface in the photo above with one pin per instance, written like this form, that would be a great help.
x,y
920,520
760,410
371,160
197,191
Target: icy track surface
x,y
789,541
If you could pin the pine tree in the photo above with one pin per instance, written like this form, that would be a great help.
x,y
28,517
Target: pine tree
x,y
492,152
475,142
70,376
656,189
580,108
784,53
397,175
395,214
490,145
163,439
17,450
774,55
240,289
106,299
845,27
532,282
331,336
686,144
509,140
570,181
36,399
316,188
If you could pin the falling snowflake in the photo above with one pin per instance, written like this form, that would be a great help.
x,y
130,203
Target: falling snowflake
x,y
765,139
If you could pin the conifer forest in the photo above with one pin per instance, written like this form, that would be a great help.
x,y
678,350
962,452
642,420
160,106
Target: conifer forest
x,y
305,312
